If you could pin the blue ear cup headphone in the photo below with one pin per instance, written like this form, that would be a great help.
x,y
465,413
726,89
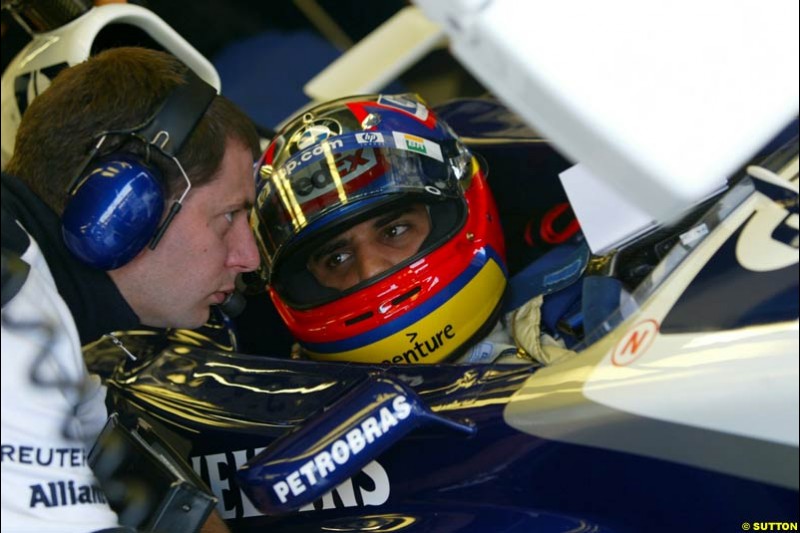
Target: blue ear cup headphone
x,y
116,201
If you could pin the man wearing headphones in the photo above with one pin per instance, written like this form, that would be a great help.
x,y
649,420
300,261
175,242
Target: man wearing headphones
x,y
127,202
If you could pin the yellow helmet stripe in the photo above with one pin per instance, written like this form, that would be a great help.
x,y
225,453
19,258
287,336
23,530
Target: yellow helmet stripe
x,y
434,337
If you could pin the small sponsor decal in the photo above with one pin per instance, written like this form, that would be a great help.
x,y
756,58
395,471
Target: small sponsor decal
x,y
370,138
412,143
315,132
482,352
405,104
423,348
635,343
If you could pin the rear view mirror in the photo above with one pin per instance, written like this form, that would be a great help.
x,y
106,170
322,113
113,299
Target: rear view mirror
x,y
336,444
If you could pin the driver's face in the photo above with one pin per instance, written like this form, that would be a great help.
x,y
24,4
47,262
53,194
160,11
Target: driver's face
x,y
371,247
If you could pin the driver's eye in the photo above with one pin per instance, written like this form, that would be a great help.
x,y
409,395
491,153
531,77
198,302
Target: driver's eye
x,y
396,230
336,259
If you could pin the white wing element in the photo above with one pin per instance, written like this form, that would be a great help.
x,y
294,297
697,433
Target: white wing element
x,y
72,44
379,58
664,101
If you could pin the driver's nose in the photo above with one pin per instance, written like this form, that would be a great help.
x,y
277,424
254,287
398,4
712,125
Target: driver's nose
x,y
243,253
371,263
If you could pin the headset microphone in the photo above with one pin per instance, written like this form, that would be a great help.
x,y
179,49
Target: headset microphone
x,y
233,305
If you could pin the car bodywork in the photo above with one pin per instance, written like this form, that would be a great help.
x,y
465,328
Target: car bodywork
x,y
679,413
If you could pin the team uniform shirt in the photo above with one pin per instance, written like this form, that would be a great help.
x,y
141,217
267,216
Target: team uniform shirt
x,y
47,418
93,299
52,409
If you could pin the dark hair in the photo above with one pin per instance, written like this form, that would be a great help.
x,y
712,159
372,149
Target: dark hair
x,y
117,89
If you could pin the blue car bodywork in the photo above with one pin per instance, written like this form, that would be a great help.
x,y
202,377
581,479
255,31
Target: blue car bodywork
x,y
679,413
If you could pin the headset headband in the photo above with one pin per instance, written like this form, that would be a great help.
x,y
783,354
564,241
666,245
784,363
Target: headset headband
x,y
106,222
178,115
167,129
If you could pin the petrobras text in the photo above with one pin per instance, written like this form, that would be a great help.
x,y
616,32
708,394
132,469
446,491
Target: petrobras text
x,y
339,453
368,487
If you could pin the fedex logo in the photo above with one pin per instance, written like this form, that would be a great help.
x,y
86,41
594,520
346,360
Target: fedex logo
x,y
311,154
317,180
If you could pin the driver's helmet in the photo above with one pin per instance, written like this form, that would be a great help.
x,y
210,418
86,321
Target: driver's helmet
x,y
350,164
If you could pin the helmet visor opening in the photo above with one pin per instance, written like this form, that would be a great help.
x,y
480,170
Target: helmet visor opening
x,y
386,235
328,182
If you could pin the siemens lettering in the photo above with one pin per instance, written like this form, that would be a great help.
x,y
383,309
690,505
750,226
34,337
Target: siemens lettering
x,y
368,487
371,429
311,154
